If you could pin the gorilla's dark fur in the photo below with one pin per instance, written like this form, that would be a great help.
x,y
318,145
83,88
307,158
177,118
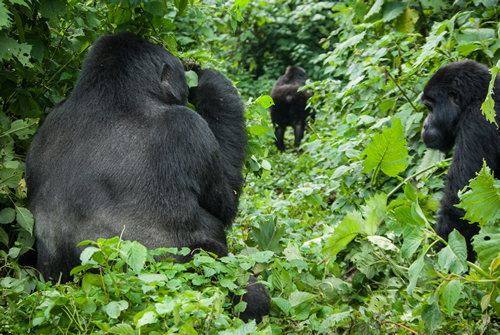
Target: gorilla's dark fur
x,y
454,96
289,107
125,150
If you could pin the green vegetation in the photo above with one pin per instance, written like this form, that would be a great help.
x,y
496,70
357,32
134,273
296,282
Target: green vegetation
x,y
340,231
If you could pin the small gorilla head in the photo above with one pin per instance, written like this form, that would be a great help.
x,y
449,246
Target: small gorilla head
x,y
295,74
448,96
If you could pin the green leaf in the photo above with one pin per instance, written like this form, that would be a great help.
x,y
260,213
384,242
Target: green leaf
x,y
486,245
376,8
431,315
415,270
4,15
153,278
406,22
114,308
454,257
429,49
410,245
181,5
4,237
481,199
374,211
292,252
7,215
392,10
343,234
297,298
121,329
258,129
488,106
146,319
192,78
9,48
136,255
265,101
25,219
283,304
268,235
53,9
10,177
387,151
451,294
155,7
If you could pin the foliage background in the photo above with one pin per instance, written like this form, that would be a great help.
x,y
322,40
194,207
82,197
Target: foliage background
x,y
340,233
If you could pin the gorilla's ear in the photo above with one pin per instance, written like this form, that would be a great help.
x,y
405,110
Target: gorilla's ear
x,y
454,99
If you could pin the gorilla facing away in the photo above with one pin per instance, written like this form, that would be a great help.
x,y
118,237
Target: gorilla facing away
x,y
289,107
453,97
125,150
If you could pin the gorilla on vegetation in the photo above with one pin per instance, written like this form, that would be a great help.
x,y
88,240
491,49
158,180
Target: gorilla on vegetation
x,y
289,107
453,97
125,150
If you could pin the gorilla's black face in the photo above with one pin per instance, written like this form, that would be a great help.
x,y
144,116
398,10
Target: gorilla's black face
x,y
443,103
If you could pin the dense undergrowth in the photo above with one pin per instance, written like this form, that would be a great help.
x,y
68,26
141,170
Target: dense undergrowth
x,y
340,230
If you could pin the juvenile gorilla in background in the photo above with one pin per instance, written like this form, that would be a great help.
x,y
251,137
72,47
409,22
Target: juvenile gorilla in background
x,y
125,150
454,96
289,107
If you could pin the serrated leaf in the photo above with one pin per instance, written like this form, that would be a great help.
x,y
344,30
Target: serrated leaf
x,y
387,151
268,235
10,177
343,234
451,294
9,48
429,49
53,9
136,255
488,106
481,199
392,10
25,219
453,258
4,15
374,211
486,245
375,9
410,245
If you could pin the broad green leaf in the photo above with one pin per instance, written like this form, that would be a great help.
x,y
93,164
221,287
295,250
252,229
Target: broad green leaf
x,y
136,255
486,245
431,315
181,5
10,177
352,41
297,298
268,235
283,304
488,106
344,233
393,9
376,8
481,199
155,7
4,15
25,219
121,329
415,270
146,319
153,277
192,78
454,257
383,243
451,294
53,9
410,245
114,308
7,215
332,320
258,129
387,151
374,211
265,100
406,21
431,158
292,252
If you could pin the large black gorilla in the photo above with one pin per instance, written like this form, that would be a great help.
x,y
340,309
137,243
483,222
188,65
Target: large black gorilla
x,y
125,150
289,107
454,96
